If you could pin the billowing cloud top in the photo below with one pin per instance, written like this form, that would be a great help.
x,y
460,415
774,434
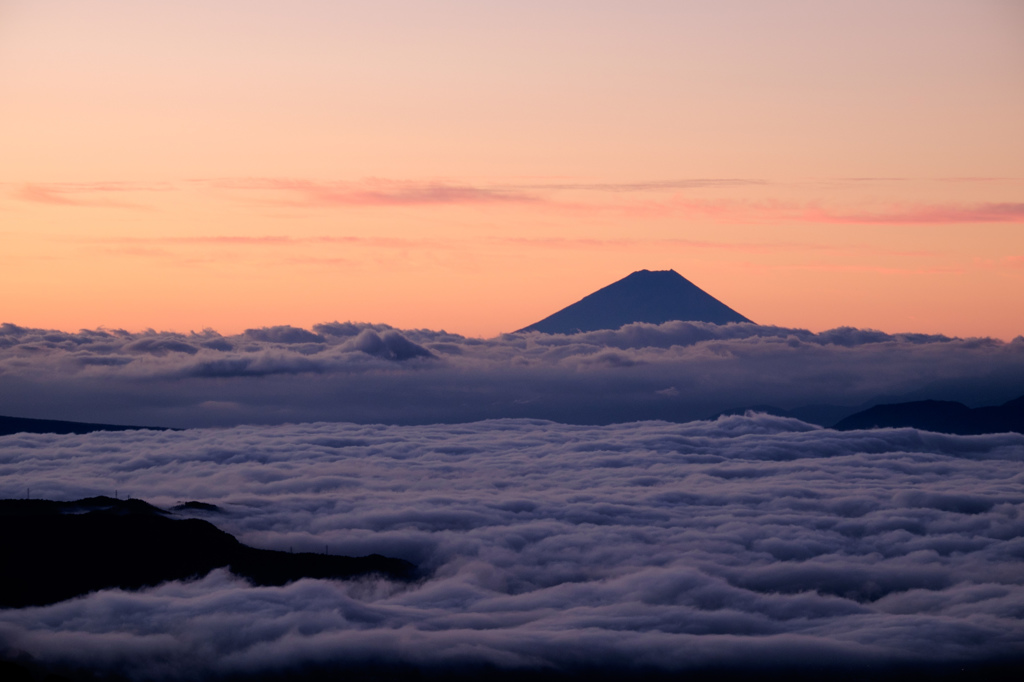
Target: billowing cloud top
x,y
376,374
750,541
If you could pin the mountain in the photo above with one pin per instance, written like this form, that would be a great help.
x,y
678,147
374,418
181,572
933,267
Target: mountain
x,y
942,416
653,296
822,415
51,551
9,425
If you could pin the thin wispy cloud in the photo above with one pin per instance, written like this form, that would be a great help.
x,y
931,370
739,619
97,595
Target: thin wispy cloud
x,y
876,269
746,247
776,211
316,250
274,242
373,192
651,186
1006,212
390,192
383,193
85,194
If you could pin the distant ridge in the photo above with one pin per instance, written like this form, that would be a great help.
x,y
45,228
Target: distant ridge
x,y
11,425
652,296
941,416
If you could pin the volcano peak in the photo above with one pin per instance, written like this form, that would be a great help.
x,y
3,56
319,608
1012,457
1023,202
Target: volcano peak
x,y
651,296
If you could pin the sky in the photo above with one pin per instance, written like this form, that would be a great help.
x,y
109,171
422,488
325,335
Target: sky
x,y
753,541
473,167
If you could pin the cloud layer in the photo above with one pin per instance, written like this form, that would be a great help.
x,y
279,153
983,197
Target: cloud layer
x,y
366,373
749,540
380,192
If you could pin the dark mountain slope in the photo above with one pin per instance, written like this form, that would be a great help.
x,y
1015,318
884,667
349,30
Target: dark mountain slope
x,y
9,425
52,551
648,296
941,416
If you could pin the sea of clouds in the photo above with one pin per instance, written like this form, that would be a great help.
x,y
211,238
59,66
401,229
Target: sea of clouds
x,y
677,371
749,540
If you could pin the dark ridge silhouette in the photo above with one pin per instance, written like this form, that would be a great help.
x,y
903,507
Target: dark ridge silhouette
x,y
1001,671
941,416
52,551
648,296
1011,670
192,505
11,425
822,415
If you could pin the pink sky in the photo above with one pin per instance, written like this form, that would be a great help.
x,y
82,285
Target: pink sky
x,y
476,166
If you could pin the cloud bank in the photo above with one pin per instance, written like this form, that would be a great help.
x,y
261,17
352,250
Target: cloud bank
x,y
748,541
366,373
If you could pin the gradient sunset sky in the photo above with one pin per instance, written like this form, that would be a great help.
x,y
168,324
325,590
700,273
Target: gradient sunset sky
x,y
475,166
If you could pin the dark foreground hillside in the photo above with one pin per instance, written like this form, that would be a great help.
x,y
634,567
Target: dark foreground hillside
x,y
52,551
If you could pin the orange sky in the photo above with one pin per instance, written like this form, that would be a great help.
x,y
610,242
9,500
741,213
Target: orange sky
x,y
476,166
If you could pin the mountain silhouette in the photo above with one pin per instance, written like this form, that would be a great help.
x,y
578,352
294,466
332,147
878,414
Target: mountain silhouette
x,y
942,416
652,296
10,425
51,551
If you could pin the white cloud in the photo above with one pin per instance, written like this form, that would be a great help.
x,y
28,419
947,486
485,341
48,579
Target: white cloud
x,y
746,540
374,374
